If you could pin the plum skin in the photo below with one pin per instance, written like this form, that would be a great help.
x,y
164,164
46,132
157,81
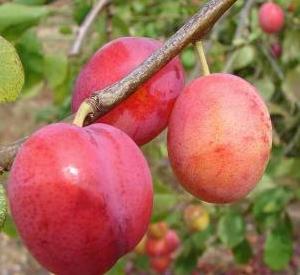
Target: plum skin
x,y
271,18
219,138
81,197
146,112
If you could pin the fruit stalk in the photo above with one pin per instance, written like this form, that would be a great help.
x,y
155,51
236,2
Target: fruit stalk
x,y
203,61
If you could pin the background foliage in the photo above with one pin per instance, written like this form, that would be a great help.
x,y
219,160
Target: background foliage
x,y
259,234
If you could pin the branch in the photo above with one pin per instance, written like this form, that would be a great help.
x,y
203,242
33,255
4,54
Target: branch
x,y
84,28
274,65
196,27
103,101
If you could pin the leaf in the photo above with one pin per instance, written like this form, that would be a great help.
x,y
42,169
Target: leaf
x,y
11,72
9,227
31,2
266,87
3,206
242,252
188,58
291,84
271,201
278,248
291,46
231,229
243,57
81,9
30,50
264,184
55,69
16,18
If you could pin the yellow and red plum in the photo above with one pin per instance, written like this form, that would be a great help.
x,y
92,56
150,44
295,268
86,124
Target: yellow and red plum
x,y
219,138
80,197
160,264
145,113
172,240
271,17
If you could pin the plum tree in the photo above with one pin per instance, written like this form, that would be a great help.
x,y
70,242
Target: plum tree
x,y
219,138
144,114
81,197
271,17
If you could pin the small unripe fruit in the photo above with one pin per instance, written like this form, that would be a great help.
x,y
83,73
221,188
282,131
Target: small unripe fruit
x,y
276,50
80,197
172,240
196,217
146,112
219,138
271,18
158,230
157,247
160,264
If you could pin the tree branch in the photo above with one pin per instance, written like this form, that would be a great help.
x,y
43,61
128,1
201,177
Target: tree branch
x,y
197,26
84,28
105,100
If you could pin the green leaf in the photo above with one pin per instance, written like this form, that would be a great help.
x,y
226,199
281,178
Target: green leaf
x,y
242,252
278,248
291,46
56,69
9,227
188,58
264,184
243,57
271,201
291,84
231,229
118,268
162,205
3,206
31,2
266,87
30,50
12,74
16,18
81,9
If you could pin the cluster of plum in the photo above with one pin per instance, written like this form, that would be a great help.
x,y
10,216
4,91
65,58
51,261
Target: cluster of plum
x,y
81,197
160,244
271,20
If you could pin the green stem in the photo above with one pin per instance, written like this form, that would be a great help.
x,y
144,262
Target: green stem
x,y
203,61
84,110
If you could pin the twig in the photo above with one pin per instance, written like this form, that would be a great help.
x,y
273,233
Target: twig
x,y
109,23
84,28
292,143
241,26
276,68
105,100
196,27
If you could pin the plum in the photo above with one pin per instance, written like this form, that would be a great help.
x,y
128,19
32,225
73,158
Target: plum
x,y
219,138
146,112
80,197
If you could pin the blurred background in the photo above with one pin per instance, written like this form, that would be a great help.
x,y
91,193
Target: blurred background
x,y
259,235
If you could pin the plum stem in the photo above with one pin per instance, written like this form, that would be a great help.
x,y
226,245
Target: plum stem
x,y
84,110
203,61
